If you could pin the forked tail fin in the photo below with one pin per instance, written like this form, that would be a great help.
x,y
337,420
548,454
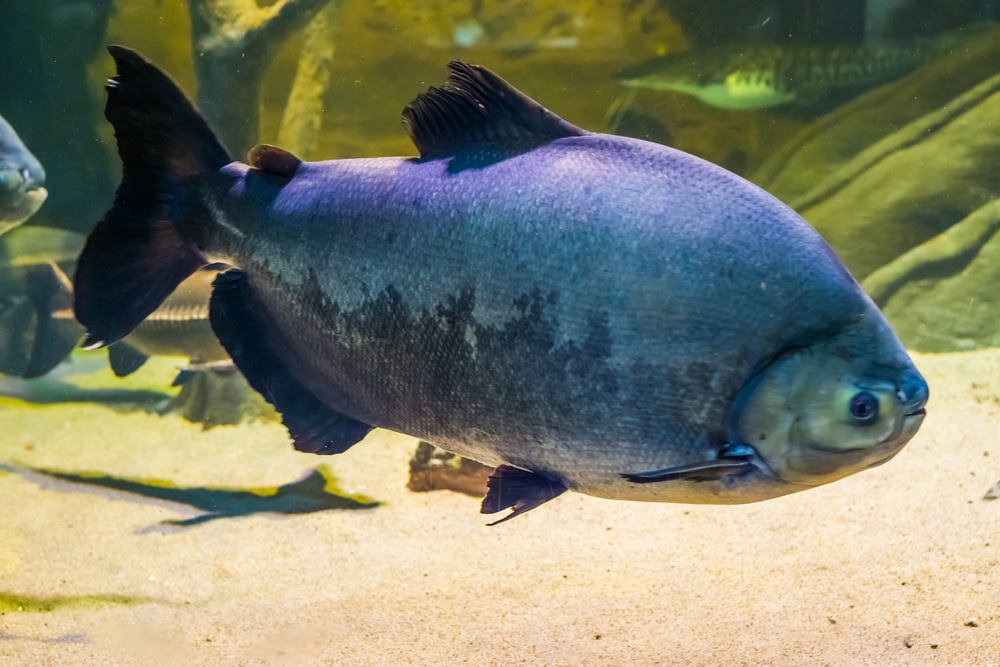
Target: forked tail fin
x,y
139,252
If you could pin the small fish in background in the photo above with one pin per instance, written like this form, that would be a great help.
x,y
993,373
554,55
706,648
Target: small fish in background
x,y
746,78
213,391
38,331
178,328
37,328
581,311
22,180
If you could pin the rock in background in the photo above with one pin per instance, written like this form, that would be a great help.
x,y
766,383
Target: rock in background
x,y
903,183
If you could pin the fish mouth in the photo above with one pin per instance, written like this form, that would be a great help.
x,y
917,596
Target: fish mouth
x,y
26,203
821,461
36,193
892,445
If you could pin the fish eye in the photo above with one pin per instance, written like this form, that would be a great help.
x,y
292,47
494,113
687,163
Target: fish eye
x,y
863,408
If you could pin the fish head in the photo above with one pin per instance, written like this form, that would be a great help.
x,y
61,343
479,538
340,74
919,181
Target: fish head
x,y
823,411
22,180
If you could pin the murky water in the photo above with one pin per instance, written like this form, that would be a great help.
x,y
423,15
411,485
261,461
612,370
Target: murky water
x,y
157,512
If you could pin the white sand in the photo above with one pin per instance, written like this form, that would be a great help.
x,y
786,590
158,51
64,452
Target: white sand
x,y
884,568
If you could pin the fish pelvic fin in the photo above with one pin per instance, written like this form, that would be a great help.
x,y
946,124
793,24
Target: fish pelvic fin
x,y
139,252
519,490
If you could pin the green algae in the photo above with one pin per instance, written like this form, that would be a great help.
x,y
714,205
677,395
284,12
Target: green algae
x,y
10,602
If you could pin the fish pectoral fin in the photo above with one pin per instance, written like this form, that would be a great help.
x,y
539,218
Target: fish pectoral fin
x,y
125,359
273,160
243,328
520,490
703,471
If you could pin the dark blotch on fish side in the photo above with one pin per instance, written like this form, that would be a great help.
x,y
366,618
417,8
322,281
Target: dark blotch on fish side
x,y
522,360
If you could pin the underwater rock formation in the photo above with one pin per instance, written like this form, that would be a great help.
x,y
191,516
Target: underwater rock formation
x,y
218,396
902,183
434,469
942,296
900,164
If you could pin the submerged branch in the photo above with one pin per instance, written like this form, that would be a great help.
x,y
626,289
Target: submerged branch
x,y
303,118
234,42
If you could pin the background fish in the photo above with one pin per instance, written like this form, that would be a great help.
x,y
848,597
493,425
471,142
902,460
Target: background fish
x,y
38,331
37,328
22,180
587,312
762,76
178,328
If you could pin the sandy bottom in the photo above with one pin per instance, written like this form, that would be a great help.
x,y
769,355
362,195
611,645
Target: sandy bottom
x,y
895,566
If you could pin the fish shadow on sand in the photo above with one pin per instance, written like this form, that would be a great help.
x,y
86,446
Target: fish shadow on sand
x,y
315,492
49,391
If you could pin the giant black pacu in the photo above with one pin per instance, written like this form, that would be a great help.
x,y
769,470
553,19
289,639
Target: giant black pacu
x,y
586,312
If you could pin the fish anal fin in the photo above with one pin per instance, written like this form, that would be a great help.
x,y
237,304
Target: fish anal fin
x,y
243,329
519,490
273,160
702,471
477,106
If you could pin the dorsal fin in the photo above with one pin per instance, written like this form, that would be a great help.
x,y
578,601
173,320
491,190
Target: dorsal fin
x,y
273,160
477,106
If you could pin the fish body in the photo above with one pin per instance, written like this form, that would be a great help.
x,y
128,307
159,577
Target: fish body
x,y
762,76
22,180
584,311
